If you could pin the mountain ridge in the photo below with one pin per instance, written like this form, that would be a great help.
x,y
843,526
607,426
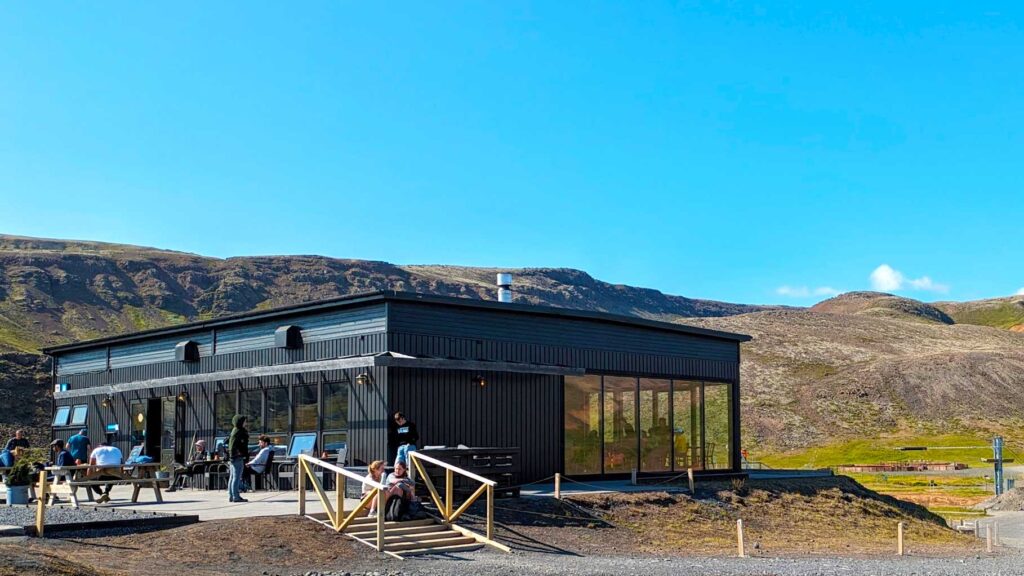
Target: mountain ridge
x,y
860,364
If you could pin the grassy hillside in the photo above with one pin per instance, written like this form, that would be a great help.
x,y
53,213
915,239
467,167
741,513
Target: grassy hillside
x,y
996,312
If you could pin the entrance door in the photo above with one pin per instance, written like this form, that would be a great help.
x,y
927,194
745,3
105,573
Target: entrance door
x,y
162,430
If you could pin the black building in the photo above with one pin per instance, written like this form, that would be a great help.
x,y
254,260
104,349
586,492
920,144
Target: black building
x,y
578,392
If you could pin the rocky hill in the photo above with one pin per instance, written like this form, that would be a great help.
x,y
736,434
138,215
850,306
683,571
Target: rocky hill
x,y
857,365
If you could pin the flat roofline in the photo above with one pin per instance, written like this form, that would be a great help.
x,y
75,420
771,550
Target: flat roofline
x,y
284,312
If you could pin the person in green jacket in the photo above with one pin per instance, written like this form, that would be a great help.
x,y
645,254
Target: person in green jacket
x,y
238,452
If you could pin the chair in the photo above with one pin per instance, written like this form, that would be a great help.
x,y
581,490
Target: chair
x,y
216,475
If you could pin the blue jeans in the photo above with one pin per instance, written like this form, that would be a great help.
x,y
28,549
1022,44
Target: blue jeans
x,y
235,478
403,454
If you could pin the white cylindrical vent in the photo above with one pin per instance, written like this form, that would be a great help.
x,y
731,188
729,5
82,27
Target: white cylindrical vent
x,y
504,287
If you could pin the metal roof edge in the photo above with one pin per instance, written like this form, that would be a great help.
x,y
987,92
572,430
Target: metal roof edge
x,y
386,295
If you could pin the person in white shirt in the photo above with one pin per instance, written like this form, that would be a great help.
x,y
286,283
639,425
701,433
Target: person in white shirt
x,y
105,455
258,464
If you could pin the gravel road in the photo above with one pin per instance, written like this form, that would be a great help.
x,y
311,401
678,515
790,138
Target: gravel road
x,y
495,564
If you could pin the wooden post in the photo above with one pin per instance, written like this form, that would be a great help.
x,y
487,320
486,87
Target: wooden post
x,y
490,512
380,520
689,476
339,498
300,480
988,537
995,532
558,486
449,493
739,538
899,539
41,506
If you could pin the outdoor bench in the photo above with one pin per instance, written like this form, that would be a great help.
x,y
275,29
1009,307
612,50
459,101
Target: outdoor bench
x,y
68,479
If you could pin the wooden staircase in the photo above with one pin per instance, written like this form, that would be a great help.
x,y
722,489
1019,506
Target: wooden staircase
x,y
410,538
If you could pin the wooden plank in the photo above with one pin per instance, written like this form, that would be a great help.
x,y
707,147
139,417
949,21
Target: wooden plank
x,y
469,501
41,507
448,466
441,506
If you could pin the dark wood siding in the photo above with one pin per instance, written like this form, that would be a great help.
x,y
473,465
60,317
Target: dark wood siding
x,y
512,410
367,410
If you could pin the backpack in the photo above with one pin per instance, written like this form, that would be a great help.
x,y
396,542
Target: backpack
x,y
394,508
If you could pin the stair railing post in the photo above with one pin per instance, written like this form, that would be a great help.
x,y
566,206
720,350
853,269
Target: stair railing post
x,y
380,520
449,491
339,483
300,482
490,512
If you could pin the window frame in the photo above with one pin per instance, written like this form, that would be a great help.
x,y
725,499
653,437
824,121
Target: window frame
x,y
85,415
64,421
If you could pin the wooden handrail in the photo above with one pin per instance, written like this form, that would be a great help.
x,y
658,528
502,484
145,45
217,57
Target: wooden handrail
x,y
338,470
448,466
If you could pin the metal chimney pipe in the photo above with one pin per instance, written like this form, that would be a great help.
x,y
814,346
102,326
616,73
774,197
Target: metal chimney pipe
x,y
504,287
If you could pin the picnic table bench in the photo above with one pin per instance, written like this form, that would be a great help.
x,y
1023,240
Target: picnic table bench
x,y
68,479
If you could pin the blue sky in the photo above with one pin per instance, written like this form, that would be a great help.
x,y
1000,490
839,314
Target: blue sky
x,y
741,152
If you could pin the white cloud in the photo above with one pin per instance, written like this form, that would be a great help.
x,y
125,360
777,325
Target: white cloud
x,y
885,278
805,292
1020,292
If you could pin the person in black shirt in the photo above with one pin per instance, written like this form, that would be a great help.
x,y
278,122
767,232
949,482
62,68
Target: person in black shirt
x,y
406,437
19,441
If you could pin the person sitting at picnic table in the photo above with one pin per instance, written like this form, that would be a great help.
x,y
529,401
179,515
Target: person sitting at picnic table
x,y
19,441
258,464
79,446
104,455
375,473
61,458
200,454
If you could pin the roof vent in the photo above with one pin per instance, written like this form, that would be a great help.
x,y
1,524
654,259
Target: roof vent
x,y
187,351
288,337
504,287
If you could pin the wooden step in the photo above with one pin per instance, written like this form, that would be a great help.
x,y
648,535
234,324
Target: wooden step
x,y
372,532
441,549
404,538
458,540
357,526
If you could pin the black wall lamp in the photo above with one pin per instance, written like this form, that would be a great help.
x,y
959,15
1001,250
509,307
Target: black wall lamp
x,y
479,381
183,395
364,379
107,402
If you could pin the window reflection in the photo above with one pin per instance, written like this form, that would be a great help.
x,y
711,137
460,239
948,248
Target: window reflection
x,y
620,436
582,425
655,433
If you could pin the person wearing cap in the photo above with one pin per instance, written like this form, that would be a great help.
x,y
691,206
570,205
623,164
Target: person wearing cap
x,y
61,459
200,454
79,446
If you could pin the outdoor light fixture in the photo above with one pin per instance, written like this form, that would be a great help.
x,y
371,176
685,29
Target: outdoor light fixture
x,y
183,395
479,381
364,379
106,402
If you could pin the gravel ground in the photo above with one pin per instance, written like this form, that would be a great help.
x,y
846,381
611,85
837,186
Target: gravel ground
x,y
495,564
26,515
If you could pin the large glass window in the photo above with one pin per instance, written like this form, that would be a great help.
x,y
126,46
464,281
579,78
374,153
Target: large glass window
x,y
250,405
717,425
620,437
686,428
224,406
336,406
655,433
582,425
305,408
334,441
277,411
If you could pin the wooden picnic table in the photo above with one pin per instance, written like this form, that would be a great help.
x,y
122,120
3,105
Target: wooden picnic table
x,y
68,479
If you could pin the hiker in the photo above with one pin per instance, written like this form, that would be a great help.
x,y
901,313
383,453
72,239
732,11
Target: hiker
x,y
79,446
406,437
238,451
258,464
19,441
375,472
104,455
